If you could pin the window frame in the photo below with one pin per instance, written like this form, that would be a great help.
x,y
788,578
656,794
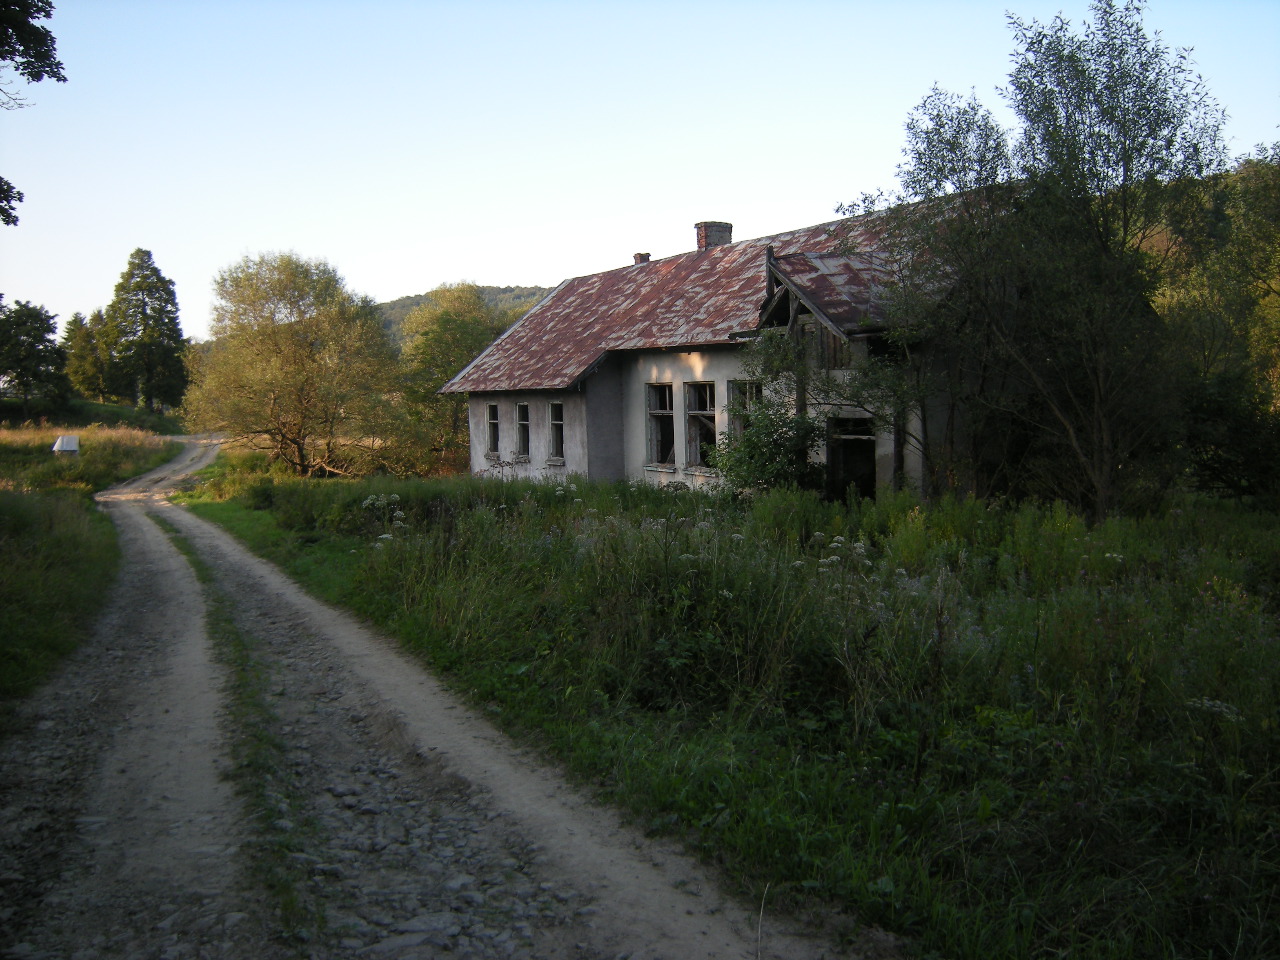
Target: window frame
x,y
661,424
555,432
700,422
493,431
522,431
743,396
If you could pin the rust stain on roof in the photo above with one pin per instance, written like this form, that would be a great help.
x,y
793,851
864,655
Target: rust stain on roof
x,y
702,298
844,287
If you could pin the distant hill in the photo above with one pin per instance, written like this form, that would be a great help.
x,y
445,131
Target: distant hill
x,y
519,299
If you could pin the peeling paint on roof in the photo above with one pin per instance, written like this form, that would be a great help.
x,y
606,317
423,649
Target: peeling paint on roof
x,y
703,298
845,288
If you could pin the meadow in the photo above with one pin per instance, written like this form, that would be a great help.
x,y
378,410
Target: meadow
x,y
994,729
57,551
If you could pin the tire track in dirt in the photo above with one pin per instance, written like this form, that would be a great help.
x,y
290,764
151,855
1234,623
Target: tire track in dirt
x,y
158,822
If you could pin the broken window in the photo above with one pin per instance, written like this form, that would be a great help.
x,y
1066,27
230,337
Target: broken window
x,y
700,407
556,418
743,396
522,430
851,458
491,415
880,347
662,427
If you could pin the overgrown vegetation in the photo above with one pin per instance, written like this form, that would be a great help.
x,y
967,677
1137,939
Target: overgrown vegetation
x,y
57,551
993,728
1082,306
277,809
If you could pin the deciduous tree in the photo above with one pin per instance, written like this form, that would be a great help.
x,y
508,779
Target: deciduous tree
x,y
31,362
298,365
441,337
1028,260
30,50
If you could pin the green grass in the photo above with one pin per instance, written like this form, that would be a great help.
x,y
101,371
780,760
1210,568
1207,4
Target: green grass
x,y
78,412
259,769
58,552
994,729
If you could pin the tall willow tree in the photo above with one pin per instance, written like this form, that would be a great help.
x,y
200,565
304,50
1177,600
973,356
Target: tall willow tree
x,y
298,366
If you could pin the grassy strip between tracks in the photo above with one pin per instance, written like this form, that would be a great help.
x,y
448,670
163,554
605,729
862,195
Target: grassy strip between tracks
x,y
281,825
994,729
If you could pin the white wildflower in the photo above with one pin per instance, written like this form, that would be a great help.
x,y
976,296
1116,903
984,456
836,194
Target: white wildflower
x,y
1224,710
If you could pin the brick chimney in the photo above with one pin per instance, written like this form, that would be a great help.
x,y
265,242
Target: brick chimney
x,y
712,234
641,257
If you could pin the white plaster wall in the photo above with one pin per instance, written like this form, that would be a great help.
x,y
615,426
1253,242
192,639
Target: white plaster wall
x,y
642,368
606,425
539,464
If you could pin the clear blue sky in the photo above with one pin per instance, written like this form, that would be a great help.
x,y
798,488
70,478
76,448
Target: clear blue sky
x,y
412,143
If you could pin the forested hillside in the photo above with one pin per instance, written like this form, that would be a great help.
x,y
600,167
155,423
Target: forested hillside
x,y
500,299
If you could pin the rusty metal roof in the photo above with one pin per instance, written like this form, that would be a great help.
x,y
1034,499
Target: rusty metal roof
x,y
845,288
696,299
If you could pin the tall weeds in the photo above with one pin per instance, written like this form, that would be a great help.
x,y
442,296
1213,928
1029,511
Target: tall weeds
x,y
58,553
997,729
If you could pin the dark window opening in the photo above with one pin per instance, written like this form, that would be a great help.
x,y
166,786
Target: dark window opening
x,y
556,415
662,427
744,395
880,347
492,420
851,458
700,407
522,429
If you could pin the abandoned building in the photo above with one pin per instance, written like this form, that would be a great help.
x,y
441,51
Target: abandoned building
x,y
630,373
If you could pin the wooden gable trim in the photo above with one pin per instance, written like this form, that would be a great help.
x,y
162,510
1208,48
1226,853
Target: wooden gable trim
x,y
785,287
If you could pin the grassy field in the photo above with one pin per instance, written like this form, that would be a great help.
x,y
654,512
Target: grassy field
x,y
79,412
994,729
57,551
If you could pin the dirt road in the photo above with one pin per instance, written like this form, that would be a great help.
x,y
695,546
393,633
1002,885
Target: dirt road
x,y
398,823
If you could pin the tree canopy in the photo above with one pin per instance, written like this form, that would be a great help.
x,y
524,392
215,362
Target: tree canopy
x,y
143,337
448,330
298,366
29,49
31,362
1027,263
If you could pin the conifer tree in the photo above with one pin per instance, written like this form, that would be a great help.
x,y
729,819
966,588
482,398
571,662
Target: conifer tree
x,y
142,323
84,367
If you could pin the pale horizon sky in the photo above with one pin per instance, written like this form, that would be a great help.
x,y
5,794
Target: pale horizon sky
x,y
411,143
